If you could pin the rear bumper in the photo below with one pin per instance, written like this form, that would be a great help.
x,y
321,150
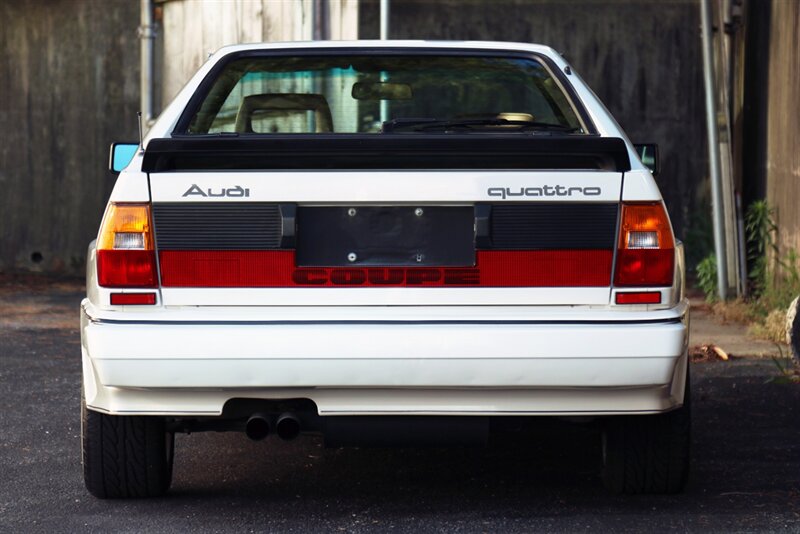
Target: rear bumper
x,y
389,364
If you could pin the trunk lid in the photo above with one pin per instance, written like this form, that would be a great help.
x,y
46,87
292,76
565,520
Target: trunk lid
x,y
364,236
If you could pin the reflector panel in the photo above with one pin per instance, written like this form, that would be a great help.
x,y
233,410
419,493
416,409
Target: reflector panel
x,y
127,299
545,268
639,297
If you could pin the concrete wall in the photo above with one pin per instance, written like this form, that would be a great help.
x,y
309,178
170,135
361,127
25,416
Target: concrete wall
x,y
783,122
68,87
194,28
641,57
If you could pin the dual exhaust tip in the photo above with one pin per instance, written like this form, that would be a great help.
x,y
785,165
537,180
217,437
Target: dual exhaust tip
x,y
258,426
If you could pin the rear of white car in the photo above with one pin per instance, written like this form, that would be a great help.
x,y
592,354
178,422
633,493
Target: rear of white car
x,y
296,250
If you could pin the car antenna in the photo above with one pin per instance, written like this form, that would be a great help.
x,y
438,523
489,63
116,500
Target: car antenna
x,y
141,138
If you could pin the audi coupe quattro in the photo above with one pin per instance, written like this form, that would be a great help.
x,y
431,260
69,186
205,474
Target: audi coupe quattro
x,y
383,243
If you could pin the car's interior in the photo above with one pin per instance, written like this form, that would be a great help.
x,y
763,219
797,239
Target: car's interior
x,y
361,94
270,113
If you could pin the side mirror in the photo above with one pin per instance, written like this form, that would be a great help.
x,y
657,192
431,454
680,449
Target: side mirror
x,y
120,155
648,153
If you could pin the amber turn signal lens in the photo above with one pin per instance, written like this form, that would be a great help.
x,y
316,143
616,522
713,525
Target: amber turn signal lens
x,y
125,252
126,226
646,249
645,225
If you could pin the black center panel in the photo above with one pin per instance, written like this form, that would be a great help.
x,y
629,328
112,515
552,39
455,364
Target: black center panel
x,y
553,226
443,236
218,225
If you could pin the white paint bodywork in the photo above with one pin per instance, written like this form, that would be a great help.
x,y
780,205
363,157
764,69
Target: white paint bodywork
x,y
423,360
448,187
460,351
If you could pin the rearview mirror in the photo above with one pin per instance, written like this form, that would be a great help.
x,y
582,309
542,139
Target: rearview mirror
x,y
381,91
648,153
121,155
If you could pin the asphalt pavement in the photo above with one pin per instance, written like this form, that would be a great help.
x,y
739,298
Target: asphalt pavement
x,y
745,465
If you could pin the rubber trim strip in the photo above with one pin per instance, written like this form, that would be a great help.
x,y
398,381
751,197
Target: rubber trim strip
x,y
671,320
332,413
497,413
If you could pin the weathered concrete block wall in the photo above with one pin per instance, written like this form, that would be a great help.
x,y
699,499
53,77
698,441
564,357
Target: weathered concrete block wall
x,y
641,57
194,28
783,122
68,87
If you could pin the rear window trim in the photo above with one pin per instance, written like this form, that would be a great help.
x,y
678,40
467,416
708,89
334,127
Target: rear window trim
x,y
182,125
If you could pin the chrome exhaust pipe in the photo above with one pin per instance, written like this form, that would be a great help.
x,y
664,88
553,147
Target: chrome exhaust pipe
x,y
257,427
287,427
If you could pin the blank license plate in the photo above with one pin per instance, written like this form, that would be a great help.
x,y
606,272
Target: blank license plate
x,y
385,236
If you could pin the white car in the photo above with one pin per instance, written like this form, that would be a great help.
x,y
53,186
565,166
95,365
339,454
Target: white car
x,y
386,243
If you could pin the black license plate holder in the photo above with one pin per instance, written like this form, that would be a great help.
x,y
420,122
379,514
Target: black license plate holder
x,y
385,236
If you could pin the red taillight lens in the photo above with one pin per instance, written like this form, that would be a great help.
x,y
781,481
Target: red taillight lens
x,y
126,299
494,268
639,297
126,268
646,249
125,252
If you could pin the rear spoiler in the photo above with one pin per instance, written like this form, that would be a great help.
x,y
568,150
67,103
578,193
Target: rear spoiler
x,y
385,152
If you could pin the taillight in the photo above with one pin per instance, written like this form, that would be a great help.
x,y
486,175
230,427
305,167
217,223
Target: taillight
x,y
125,253
646,249
637,297
128,299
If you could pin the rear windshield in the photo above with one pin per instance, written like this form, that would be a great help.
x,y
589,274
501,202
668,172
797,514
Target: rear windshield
x,y
375,94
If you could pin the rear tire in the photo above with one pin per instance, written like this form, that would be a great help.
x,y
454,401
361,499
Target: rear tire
x,y
648,453
125,456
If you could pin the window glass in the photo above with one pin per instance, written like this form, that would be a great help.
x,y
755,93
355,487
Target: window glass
x,y
358,94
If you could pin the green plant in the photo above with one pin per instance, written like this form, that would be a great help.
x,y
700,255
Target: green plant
x,y
787,374
790,270
707,277
760,230
775,278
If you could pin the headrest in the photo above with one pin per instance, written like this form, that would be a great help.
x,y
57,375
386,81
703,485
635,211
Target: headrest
x,y
284,102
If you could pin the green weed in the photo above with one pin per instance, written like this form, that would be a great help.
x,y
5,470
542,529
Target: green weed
x,y
707,277
774,277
